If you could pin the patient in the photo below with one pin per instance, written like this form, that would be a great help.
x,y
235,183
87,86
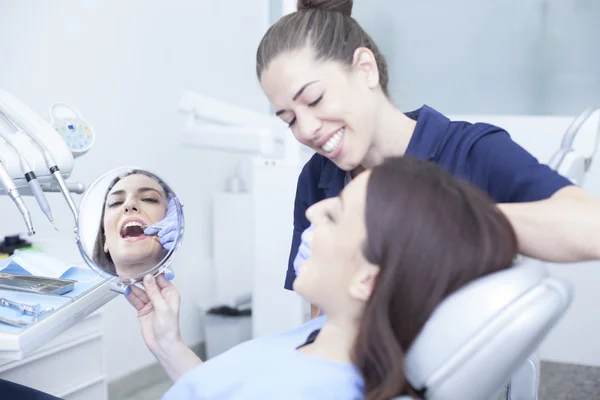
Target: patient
x,y
132,202
399,239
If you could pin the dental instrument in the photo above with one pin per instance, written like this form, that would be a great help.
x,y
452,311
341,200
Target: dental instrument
x,y
34,311
17,323
23,308
37,129
14,194
30,176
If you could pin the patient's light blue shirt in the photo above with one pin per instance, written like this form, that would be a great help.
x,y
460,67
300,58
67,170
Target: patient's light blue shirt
x,y
271,368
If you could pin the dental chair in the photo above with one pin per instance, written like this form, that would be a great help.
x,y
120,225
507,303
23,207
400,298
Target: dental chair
x,y
479,342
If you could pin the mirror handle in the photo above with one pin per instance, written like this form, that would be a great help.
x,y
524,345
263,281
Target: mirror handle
x,y
119,287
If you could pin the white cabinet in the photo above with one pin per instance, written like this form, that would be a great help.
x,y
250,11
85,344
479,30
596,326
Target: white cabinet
x,y
70,366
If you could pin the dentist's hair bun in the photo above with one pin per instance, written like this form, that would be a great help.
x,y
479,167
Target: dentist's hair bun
x,y
343,6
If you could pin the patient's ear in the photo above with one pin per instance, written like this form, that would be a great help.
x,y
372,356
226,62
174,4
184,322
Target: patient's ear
x,y
363,282
105,245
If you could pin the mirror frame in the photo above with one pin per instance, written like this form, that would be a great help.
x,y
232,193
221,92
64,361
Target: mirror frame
x,y
119,283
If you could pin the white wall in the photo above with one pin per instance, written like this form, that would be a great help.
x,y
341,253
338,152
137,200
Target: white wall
x,y
496,56
124,64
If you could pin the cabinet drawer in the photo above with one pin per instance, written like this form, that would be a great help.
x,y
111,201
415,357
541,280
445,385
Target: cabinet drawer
x,y
96,390
60,368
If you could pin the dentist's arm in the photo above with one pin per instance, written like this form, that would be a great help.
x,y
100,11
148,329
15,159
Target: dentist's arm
x,y
554,220
158,312
562,228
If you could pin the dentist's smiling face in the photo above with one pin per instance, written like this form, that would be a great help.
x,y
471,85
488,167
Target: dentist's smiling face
x,y
134,202
329,108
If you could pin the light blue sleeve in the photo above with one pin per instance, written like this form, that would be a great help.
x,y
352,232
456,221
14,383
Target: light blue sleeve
x,y
270,368
183,391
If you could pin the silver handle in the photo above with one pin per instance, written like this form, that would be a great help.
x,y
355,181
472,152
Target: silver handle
x,y
23,308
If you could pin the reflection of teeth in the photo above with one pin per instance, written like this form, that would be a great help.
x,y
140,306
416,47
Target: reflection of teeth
x,y
132,223
334,142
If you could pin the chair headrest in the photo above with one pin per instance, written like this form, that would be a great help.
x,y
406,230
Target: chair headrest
x,y
484,331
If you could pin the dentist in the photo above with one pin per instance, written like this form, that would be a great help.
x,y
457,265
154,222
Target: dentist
x,y
327,79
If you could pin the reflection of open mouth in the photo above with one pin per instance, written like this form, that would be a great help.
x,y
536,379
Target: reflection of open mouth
x,y
133,230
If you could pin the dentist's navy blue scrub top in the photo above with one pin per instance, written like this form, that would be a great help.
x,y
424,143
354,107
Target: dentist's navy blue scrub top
x,y
483,154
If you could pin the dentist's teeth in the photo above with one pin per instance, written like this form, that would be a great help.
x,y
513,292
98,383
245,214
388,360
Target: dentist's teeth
x,y
333,143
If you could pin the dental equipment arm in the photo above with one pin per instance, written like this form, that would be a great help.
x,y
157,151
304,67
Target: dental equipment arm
x,y
12,191
35,127
218,125
73,187
30,176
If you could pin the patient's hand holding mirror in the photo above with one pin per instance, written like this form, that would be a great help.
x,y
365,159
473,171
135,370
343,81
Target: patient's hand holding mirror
x,y
130,224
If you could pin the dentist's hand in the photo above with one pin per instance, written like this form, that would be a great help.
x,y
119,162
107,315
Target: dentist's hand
x,y
304,249
168,228
158,312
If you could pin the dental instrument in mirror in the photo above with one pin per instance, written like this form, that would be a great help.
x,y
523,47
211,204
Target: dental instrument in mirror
x,y
14,194
30,176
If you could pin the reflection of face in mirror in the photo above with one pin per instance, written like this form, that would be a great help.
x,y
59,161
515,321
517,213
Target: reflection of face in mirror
x,y
132,203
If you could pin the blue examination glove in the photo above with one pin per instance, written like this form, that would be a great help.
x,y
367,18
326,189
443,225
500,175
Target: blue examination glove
x,y
167,229
303,250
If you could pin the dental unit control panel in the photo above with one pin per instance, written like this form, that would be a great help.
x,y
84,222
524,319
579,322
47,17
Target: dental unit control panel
x,y
77,133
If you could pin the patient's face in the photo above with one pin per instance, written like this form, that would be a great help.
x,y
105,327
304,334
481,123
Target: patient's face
x,y
134,203
329,276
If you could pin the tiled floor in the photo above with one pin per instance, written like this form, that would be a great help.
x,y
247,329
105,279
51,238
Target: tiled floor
x,y
558,382
569,382
152,393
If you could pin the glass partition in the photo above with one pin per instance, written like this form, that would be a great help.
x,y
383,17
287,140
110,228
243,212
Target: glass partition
x,y
489,57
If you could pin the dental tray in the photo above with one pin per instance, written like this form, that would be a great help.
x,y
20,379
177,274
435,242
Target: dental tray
x,y
35,284
89,293
45,301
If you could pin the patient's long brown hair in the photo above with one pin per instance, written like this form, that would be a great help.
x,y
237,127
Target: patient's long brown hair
x,y
430,233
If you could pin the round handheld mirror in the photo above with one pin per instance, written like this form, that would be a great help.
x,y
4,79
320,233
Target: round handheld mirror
x,y
130,224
